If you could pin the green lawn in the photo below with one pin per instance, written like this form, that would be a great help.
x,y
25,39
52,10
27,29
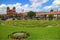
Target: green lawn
x,y
38,29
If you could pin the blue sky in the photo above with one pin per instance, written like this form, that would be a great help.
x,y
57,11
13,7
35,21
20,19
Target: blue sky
x,y
23,2
30,5
14,1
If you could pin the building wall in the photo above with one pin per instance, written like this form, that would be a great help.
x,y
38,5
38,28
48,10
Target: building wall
x,y
12,12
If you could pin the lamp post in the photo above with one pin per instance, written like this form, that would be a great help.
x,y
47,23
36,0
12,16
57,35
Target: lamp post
x,y
22,13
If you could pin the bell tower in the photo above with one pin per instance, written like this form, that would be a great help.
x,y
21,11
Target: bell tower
x,y
51,10
13,11
14,8
8,10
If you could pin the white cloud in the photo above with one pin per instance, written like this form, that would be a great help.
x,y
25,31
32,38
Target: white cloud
x,y
26,7
36,3
56,2
3,8
47,7
55,5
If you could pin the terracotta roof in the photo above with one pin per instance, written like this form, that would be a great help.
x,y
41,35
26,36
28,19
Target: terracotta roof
x,y
47,13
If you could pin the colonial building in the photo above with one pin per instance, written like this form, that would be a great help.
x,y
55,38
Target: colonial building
x,y
11,13
56,14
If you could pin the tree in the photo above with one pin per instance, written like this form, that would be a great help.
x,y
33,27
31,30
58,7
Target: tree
x,y
4,18
31,14
51,16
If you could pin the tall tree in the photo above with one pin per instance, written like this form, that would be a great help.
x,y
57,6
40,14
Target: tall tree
x,y
31,14
51,16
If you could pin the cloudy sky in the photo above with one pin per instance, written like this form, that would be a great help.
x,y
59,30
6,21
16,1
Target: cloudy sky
x,y
30,5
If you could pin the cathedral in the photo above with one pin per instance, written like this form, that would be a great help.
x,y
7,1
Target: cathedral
x,y
11,13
